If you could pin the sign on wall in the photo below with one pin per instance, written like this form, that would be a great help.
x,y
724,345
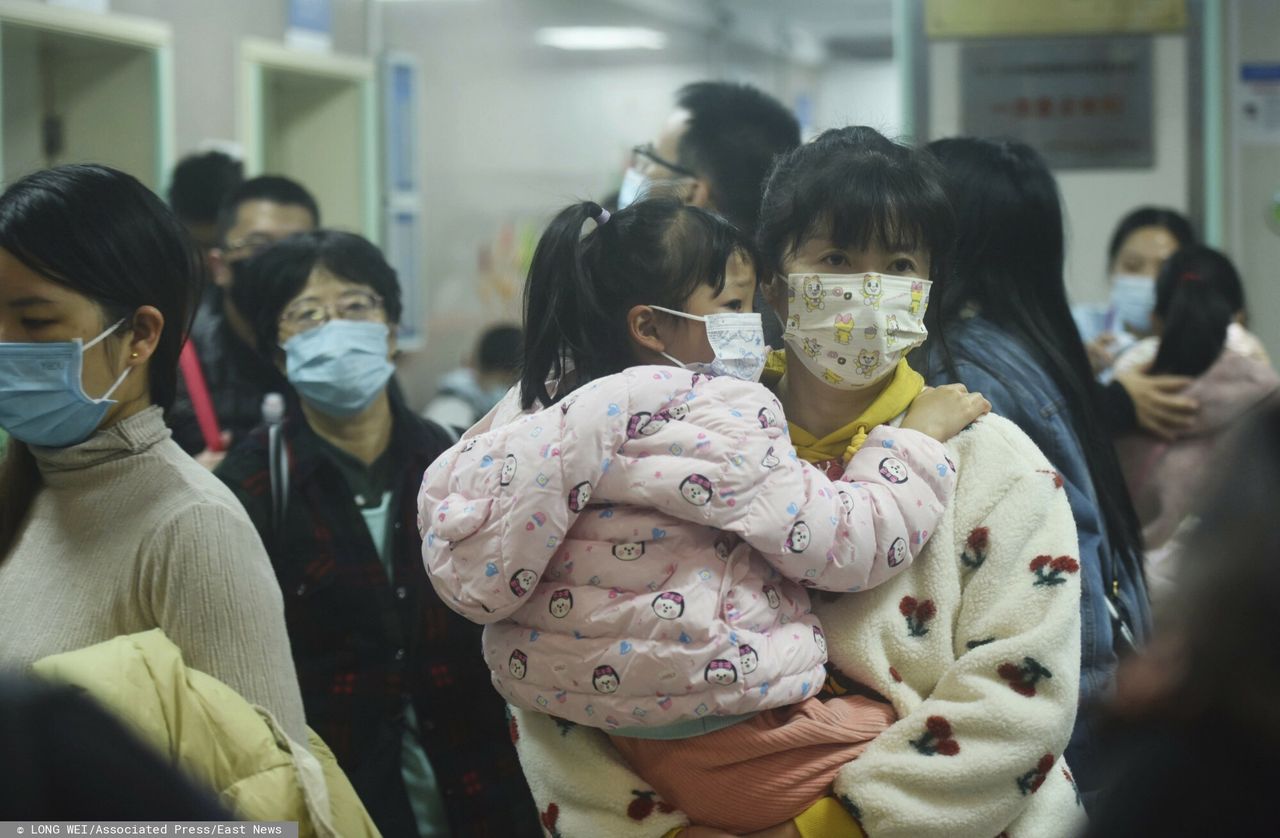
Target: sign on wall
x,y
991,18
1084,103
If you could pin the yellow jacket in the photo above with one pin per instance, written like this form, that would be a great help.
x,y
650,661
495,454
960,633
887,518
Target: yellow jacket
x,y
214,735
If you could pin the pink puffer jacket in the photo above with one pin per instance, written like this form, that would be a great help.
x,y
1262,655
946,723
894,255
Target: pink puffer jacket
x,y
641,550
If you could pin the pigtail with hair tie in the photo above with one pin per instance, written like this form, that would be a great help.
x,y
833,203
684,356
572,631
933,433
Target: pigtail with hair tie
x,y
598,214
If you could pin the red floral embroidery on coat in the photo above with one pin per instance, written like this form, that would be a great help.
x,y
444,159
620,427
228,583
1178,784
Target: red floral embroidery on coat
x,y
1051,571
937,738
917,614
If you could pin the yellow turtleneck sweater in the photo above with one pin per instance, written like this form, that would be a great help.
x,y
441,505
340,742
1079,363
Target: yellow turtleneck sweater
x,y
843,443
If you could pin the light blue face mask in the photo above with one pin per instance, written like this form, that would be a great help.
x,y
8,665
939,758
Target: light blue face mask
x,y
42,397
1133,299
340,366
634,186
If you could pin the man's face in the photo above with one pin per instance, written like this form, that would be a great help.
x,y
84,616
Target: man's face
x,y
662,179
258,224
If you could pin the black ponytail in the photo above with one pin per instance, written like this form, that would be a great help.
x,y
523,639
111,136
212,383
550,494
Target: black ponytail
x,y
1198,294
655,252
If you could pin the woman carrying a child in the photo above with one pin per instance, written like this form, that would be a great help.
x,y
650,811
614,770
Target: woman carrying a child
x,y
974,645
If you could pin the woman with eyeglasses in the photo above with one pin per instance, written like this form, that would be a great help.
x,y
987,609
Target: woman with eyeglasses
x,y
106,527
390,676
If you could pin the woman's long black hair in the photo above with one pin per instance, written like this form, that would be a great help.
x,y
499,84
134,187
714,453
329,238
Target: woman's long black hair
x,y
657,251
1198,294
1009,264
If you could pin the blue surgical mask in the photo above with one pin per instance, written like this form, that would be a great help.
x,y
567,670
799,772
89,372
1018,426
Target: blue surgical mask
x,y
737,341
42,397
634,185
340,366
1133,299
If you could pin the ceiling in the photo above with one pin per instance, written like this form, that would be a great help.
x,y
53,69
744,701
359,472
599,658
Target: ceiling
x,y
809,31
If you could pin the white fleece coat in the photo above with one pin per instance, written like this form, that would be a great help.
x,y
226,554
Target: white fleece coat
x,y
977,645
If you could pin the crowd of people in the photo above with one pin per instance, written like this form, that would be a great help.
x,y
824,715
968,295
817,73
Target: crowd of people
x,y
802,502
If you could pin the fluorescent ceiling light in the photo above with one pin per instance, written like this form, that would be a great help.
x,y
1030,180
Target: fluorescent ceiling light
x,y
600,37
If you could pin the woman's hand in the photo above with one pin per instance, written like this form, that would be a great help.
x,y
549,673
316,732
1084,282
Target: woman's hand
x,y
942,412
1157,404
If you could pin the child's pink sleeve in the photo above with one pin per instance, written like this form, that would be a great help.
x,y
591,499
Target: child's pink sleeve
x,y
495,508
729,464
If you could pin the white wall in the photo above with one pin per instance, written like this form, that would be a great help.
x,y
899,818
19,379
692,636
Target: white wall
x,y
511,133
1252,175
860,93
1095,200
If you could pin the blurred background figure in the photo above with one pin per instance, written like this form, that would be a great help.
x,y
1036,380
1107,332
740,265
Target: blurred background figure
x,y
232,377
200,184
715,150
68,759
470,391
1140,244
1199,295
1194,728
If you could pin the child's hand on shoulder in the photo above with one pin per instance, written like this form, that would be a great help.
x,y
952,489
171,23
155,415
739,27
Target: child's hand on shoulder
x,y
942,412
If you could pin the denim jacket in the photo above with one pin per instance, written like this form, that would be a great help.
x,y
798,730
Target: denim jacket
x,y
1021,391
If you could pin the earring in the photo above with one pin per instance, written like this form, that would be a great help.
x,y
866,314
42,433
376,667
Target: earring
x,y
134,355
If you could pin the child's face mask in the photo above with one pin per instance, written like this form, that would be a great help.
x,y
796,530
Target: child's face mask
x,y
852,329
736,339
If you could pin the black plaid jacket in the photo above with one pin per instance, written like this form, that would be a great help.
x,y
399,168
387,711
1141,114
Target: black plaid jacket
x,y
363,645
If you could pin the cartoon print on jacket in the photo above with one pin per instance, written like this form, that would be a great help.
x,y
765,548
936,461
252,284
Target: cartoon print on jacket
x,y
748,658
669,605
798,540
522,581
508,469
697,490
628,552
893,470
605,679
561,603
579,497
518,664
721,671
897,552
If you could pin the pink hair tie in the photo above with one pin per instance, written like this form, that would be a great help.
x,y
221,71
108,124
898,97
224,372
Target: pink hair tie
x,y
1190,276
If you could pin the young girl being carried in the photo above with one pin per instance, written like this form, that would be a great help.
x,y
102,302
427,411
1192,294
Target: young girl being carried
x,y
640,545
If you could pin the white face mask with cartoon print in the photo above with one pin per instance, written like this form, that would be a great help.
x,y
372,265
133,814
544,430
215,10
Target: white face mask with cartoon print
x,y
852,329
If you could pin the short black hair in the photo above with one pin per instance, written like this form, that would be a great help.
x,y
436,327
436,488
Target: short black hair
x,y
275,276
735,132
200,185
1178,225
499,349
861,188
273,188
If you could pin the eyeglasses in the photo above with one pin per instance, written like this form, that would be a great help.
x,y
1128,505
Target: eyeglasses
x,y
648,153
251,243
308,314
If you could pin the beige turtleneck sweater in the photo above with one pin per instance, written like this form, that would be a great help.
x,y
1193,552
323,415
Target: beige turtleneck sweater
x,y
128,533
